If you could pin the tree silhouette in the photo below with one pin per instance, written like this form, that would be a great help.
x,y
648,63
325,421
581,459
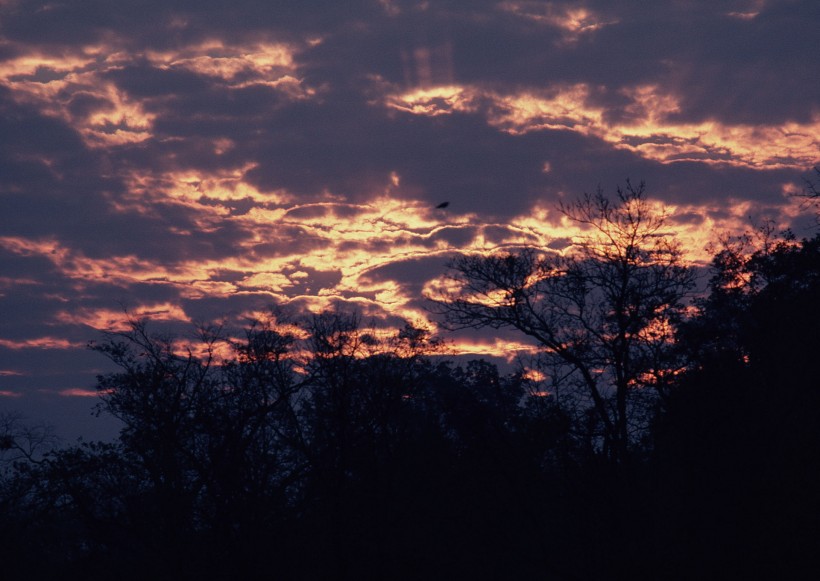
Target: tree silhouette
x,y
740,438
603,313
320,447
811,193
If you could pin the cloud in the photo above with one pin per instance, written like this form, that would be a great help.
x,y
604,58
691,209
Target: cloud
x,y
40,343
201,160
646,125
78,392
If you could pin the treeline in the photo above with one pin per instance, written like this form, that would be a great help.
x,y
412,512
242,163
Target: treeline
x,y
319,448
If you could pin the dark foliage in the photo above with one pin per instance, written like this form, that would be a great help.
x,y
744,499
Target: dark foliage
x,y
741,440
321,449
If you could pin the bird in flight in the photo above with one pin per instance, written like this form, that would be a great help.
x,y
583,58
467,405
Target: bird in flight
x,y
442,205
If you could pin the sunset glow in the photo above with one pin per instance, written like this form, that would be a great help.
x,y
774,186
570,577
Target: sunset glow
x,y
649,131
192,167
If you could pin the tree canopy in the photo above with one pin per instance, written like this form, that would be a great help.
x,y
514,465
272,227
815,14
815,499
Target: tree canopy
x,y
665,437
603,312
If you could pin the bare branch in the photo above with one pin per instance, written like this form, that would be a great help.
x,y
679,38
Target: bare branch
x,y
590,310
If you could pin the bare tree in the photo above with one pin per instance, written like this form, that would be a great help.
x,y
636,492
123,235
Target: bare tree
x,y
22,442
811,193
812,190
603,311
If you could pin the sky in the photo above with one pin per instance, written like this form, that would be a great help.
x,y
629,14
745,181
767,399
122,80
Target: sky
x,y
200,161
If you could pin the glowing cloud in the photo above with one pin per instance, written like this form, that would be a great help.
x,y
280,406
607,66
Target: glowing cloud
x,y
215,59
109,116
54,83
225,164
649,128
433,101
117,320
40,343
572,20
78,392
508,350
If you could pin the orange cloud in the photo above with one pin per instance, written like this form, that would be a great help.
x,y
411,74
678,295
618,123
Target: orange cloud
x,y
650,133
572,20
434,101
507,350
30,247
117,320
348,243
52,81
40,343
753,10
190,188
649,129
78,392
227,62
